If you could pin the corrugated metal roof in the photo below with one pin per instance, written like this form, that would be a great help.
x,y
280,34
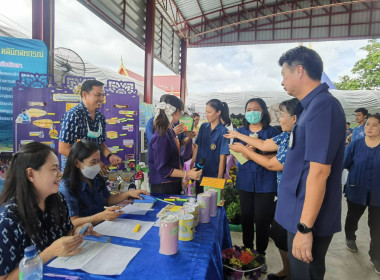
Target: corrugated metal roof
x,y
228,22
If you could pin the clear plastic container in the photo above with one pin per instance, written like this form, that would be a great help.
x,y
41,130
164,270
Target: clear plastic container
x,y
30,267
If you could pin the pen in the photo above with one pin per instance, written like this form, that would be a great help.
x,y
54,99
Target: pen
x,y
169,199
159,199
83,230
67,277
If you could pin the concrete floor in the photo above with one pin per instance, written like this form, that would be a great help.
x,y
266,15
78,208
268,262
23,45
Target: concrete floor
x,y
341,264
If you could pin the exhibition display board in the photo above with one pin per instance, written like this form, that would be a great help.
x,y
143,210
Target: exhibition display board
x,y
16,55
39,106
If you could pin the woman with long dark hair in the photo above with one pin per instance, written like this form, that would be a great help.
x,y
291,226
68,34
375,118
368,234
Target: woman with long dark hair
x,y
85,190
210,143
33,212
257,185
165,170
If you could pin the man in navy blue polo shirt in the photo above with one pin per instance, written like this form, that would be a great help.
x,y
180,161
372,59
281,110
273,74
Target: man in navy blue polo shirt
x,y
309,201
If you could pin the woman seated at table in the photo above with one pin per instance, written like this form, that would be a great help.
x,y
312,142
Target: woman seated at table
x,y
85,190
165,170
33,212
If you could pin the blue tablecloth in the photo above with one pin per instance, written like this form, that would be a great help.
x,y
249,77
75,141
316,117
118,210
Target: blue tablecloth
x,y
197,259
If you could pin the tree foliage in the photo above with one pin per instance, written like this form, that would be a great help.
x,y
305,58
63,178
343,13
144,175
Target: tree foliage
x,y
367,70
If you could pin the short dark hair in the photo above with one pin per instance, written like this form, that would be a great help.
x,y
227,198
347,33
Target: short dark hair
x,y
193,115
290,106
223,108
362,110
265,117
348,123
87,85
308,58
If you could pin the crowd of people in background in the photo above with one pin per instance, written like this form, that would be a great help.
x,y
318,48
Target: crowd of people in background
x,y
288,187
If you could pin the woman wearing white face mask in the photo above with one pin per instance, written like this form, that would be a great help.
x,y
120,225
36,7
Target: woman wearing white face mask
x,y
85,190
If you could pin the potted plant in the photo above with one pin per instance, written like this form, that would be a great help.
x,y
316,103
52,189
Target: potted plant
x,y
241,262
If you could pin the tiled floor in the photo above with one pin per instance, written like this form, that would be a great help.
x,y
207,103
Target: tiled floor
x,y
341,264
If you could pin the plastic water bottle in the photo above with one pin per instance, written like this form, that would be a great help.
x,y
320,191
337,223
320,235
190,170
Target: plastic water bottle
x,y
30,267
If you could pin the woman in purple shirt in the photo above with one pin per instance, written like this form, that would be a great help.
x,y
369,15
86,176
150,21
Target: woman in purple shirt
x,y
165,170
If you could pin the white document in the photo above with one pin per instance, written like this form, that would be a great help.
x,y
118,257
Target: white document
x,y
157,223
135,209
123,228
143,205
98,258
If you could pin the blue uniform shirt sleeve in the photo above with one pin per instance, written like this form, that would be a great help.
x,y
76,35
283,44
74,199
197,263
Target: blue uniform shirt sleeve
x,y
348,156
106,192
149,130
10,245
71,200
319,135
200,132
224,149
69,127
103,123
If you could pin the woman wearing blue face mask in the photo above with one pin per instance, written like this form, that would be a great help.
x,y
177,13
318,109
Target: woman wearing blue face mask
x,y
257,186
85,190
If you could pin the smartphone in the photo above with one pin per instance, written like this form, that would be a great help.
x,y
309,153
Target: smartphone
x,y
188,122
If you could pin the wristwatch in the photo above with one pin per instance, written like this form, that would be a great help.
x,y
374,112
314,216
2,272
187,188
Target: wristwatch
x,y
302,228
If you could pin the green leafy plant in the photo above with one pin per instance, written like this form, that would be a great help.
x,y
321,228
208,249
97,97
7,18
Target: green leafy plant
x,y
237,122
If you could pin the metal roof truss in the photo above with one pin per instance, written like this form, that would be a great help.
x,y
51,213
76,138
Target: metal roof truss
x,y
128,17
229,22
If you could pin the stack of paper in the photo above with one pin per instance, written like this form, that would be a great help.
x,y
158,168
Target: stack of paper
x,y
123,228
98,258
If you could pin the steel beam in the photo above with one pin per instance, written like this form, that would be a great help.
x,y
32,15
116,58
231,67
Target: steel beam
x,y
37,19
149,51
183,70
43,21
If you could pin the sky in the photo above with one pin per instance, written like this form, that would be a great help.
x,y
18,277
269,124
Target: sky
x,y
216,69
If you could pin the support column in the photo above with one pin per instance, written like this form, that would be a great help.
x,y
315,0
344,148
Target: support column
x,y
37,19
183,70
43,14
149,51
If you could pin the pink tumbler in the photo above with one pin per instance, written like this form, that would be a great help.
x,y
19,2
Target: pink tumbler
x,y
169,235
204,207
213,202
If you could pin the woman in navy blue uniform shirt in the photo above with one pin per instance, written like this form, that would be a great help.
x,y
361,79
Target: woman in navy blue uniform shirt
x,y
33,212
85,190
165,170
362,190
280,144
257,186
210,143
